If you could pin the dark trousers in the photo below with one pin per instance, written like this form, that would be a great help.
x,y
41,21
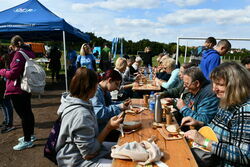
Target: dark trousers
x,y
22,105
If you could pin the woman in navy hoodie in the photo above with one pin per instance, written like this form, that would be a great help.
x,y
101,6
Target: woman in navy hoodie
x,y
21,100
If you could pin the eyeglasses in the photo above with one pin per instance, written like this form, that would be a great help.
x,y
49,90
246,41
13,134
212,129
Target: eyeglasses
x,y
188,84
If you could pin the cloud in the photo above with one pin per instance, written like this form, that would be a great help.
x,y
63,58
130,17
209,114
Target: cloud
x,y
183,3
135,22
180,17
118,4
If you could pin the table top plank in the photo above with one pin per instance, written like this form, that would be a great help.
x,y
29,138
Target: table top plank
x,y
176,152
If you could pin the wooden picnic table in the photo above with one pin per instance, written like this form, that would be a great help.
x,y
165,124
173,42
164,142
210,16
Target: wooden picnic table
x,y
146,87
176,152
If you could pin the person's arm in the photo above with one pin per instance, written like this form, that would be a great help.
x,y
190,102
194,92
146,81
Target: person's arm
x,y
214,62
93,60
173,92
206,110
173,80
16,67
103,112
83,132
113,123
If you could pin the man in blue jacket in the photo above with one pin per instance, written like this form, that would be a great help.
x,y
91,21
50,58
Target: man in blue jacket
x,y
211,57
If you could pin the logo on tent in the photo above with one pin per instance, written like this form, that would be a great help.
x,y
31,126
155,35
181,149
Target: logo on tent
x,y
24,10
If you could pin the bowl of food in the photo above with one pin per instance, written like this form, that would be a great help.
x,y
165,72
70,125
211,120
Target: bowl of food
x,y
131,125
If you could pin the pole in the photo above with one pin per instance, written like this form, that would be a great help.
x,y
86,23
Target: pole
x,y
65,61
177,51
185,53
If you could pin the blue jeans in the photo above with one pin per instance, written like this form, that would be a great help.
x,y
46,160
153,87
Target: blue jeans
x,y
7,111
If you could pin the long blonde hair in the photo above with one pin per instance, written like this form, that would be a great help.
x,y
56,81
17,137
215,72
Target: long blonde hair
x,y
237,81
82,50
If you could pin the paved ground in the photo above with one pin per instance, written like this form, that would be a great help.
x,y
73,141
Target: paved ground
x,y
44,110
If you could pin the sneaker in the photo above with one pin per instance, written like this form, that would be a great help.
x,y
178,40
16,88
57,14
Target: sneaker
x,y
7,129
23,145
33,138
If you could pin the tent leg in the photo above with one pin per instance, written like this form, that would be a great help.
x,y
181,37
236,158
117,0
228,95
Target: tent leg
x,y
65,61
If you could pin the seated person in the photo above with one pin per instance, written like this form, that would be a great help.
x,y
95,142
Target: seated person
x,y
127,76
177,91
79,141
136,65
170,68
120,66
246,62
104,108
202,104
232,121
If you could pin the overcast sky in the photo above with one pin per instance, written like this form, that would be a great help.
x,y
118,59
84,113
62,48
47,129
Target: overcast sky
x,y
157,20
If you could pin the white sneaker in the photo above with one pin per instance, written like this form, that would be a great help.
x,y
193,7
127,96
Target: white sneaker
x,y
33,138
23,145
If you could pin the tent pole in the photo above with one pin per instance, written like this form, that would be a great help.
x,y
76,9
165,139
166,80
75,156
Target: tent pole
x,y
65,61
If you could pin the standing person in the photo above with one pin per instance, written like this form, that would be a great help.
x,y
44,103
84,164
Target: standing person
x,y
21,99
71,57
209,44
79,141
232,121
86,58
105,62
147,56
5,102
211,57
55,62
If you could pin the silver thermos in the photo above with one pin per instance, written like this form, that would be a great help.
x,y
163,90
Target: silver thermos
x,y
158,109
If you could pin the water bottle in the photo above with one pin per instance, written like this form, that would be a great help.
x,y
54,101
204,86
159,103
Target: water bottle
x,y
150,72
152,102
145,72
158,109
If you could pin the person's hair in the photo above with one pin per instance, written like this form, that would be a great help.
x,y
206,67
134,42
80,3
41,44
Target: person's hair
x,y
132,58
120,63
113,74
236,78
4,57
83,82
225,43
189,65
169,63
17,41
126,56
196,74
211,40
138,59
245,60
82,52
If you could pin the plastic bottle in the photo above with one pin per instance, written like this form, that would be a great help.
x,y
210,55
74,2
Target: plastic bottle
x,y
152,102
150,72
145,72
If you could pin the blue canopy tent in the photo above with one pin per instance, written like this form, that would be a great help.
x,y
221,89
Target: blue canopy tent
x,y
34,22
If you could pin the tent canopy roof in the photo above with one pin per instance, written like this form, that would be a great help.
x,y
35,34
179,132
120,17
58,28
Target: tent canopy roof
x,y
33,21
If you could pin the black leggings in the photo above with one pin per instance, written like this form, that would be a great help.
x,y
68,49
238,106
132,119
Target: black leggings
x,y
22,105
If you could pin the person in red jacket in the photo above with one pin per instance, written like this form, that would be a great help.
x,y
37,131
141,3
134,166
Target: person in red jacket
x,y
21,100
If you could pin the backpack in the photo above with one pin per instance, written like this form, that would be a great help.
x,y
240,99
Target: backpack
x,y
33,80
50,146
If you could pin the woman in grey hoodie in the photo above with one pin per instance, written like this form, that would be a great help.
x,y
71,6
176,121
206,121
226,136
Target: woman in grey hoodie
x,y
79,142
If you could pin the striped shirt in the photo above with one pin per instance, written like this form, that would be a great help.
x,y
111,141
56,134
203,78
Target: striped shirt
x,y
232,127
